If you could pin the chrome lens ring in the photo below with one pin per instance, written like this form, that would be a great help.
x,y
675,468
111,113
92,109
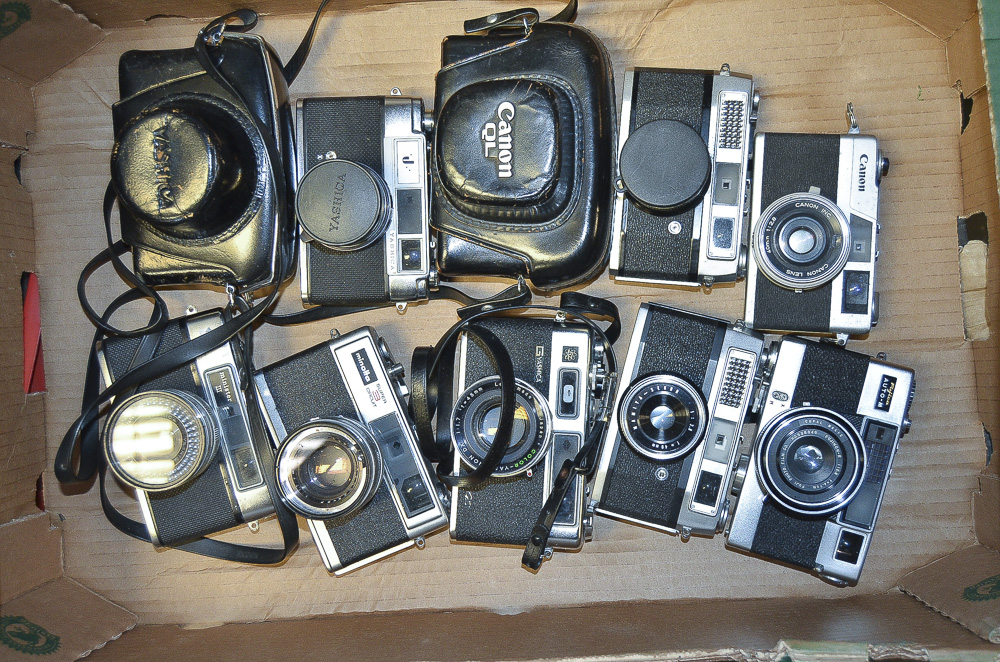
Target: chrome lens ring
x,y
476,416
328,468
802,241
662,416
160,440
810,460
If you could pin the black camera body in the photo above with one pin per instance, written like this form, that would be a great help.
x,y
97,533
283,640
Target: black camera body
x,y
555,366
348,459
362,202
230,489
812,486
814,234
523,132
196,179
683,178
668,457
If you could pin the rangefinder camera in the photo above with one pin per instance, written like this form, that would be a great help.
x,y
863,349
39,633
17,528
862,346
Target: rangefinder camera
x,y
362,201
347,457
680,205
183,440
668,456
811,488
558,367
814,233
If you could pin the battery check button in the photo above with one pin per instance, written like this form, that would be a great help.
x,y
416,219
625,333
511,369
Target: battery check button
x,y
569,384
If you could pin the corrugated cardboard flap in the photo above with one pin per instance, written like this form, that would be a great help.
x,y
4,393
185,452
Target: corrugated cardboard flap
x,y
964,586
40,37
61,620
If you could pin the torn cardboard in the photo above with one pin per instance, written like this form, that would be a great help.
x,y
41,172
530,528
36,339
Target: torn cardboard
x,y
964,586
25,24
58,621
32,555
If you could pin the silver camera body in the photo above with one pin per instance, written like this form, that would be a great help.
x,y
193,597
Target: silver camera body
x,y
362,201
668,458
187,512
355,377
814,234
555,365
812,486
684,148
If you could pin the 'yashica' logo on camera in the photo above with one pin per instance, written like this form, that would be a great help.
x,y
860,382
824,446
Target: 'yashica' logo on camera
x,y
364,366
885,391
165,197
498,141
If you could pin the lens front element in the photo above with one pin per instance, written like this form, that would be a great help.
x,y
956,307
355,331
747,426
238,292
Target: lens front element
x,y
662,416
802,241
811,460
329,468
159,440
477,415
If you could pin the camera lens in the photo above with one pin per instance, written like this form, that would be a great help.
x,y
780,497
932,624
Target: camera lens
x,y
343,205
811,460
662,416
476,417
329,468
159,440
802,241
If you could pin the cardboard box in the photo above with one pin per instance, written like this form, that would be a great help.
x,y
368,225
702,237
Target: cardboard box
x,y
915,71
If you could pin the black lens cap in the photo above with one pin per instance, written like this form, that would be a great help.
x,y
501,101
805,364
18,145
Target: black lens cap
x,y
167,166
343,205
665,165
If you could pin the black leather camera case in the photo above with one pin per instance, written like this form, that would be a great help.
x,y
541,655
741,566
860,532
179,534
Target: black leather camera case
x,y
194,179
523,149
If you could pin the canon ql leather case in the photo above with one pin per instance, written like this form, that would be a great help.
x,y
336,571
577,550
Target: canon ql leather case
x,y
523,151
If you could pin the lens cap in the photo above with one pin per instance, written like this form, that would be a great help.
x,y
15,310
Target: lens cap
x,y
343,205
665,165
188,167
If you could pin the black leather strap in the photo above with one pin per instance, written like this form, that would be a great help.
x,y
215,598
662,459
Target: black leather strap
x,y
513,295
518,18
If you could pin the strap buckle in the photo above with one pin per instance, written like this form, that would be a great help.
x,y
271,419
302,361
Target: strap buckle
x,y
526,17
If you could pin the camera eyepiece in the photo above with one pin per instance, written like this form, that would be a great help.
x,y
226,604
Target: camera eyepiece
x,y
328,468
160,440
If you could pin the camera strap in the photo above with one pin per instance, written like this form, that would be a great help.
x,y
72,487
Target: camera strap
x,y
432,393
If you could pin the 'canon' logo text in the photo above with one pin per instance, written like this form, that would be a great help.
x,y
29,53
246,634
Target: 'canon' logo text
x,y
498,142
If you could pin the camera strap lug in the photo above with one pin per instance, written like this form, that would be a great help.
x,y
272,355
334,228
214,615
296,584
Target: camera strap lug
x,y
526,17
852,121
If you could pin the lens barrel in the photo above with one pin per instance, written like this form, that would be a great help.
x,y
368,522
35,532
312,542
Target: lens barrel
x,y
476,416
811,460
802,241
160,440
662,416
329,468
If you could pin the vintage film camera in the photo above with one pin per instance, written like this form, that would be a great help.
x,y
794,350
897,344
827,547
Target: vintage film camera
x,y
680,204
668,457
198,170
362,201
184,440
814,233
811,488
348,459
558,367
